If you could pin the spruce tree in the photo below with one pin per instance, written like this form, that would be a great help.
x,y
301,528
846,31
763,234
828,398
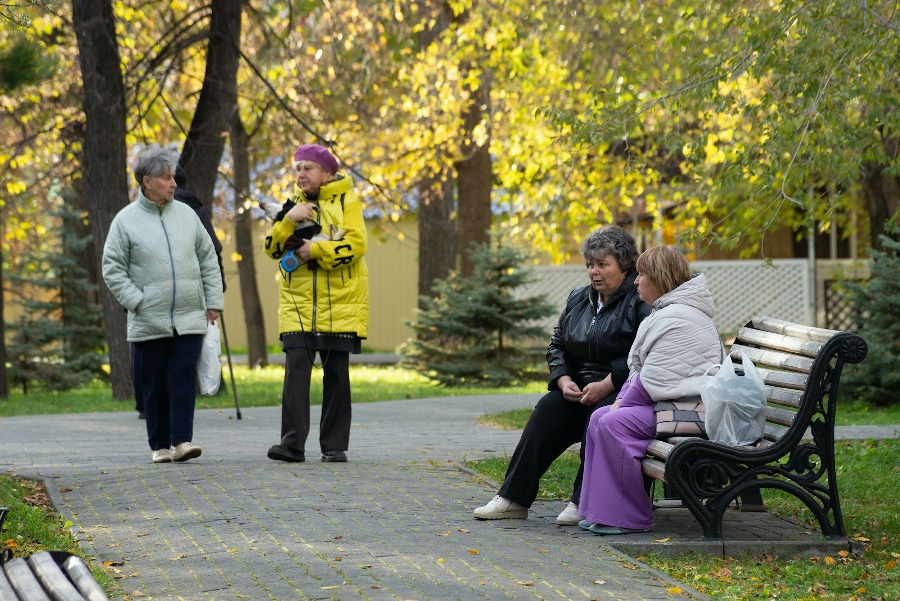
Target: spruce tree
x,y
470,331
877,315
58,342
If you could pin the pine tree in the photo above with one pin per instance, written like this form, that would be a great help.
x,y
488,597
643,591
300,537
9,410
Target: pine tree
x,y
877,314
468,332
58,342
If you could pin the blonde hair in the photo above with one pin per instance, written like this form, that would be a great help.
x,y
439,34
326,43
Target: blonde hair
x,y
665,267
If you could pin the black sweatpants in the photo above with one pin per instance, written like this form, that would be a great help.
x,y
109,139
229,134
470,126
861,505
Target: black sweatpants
x,y
334,426
554,426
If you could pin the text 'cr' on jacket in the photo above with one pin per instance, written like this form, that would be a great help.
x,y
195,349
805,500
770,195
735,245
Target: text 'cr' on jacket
x,y
160,264
332,294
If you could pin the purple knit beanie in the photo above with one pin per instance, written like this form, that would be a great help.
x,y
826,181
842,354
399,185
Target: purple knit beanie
x,y
318,155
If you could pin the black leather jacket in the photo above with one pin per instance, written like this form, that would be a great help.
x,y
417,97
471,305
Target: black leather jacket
x,y
588,346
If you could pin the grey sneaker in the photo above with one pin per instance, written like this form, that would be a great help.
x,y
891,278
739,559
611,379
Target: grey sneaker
x,y
501,508
162,456
569,516
185,451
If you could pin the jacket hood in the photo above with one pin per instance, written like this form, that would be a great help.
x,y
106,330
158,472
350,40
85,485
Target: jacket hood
x,y
693,293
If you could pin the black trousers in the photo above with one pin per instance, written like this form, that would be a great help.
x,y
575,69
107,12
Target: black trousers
x,y
554,426
334,425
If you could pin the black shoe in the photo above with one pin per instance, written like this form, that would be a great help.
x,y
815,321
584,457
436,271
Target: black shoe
x,y
282,453
334,456
141,415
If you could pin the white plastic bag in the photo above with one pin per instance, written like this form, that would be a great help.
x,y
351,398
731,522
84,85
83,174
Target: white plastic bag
x,y
735,404
209,367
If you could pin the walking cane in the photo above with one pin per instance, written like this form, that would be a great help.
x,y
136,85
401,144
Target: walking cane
x,y
230,367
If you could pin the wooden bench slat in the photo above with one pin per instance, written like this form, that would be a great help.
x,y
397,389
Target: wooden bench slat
x,y
771,358
783,379
53,579
750,337
781,417
654,468
6,590
81,575
794,330
782,396
23,580
659,448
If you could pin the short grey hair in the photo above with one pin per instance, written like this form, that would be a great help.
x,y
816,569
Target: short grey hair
x,y
611,240
154,162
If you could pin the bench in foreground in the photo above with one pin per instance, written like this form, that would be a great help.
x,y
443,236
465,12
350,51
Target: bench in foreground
x,y
801,367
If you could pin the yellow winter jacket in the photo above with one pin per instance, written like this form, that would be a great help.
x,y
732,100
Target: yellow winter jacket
x,y
332,294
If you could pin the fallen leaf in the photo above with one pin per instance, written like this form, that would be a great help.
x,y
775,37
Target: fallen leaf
x,y
338,558
891,564
447,533
338,537
675,591
473,551
330,588
543,550
724,572
861,590
662,540
113,563
843,553
367,566
525,583
829,561
463,530
65,489
233,550
138,594
440,560
599,581
375,586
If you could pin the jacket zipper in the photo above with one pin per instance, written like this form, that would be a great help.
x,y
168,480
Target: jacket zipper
x,y
172,265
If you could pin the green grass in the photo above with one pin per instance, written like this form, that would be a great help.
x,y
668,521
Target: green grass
x,y
32,525
256,388
869,478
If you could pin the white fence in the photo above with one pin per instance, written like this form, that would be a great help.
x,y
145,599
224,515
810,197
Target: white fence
x,y
741,290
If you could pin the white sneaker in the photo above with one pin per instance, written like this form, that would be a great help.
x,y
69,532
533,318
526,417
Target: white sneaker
x,y
569,516
185,451
162,456
501,508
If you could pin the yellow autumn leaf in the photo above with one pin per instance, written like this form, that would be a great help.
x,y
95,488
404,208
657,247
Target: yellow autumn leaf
x,y
440,560
675,591
473,551
662,540
829,561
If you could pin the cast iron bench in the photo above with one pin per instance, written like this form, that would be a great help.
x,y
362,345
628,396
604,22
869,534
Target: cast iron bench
x,y
46,576
801,366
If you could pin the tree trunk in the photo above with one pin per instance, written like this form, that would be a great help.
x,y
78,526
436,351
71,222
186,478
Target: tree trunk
x,y
437,236
104,159
257,356
882,193
473,175
218,100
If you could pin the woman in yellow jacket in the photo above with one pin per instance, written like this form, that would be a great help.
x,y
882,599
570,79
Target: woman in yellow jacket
x,y
319,239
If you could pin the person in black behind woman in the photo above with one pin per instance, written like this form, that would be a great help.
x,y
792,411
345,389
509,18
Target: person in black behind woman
x,y
587,358
190,199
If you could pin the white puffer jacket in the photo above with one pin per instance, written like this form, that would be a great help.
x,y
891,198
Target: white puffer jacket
x,y
678,343
160,264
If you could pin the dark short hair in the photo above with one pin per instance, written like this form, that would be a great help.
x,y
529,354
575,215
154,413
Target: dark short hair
x,y
611,240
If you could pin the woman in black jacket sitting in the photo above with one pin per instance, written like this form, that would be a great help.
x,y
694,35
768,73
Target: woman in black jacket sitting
x,y
587,359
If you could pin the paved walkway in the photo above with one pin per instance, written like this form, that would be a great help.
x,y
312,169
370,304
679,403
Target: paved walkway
x,y
393,523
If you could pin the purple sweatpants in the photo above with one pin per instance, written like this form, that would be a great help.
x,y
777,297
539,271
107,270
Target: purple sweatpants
x,y
613,491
